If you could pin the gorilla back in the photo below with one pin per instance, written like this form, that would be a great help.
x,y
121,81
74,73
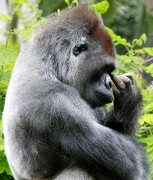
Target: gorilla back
x,y
55,125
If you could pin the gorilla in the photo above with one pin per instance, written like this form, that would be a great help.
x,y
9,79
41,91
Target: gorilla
x,y
54,119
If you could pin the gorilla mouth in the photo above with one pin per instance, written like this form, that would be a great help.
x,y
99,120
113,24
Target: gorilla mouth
x,y
105,98
100,100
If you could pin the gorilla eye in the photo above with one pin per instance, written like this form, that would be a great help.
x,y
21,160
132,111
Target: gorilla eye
x,y
79,48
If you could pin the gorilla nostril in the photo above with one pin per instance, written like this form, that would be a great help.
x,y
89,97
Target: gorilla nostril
x,y
108,82
110,85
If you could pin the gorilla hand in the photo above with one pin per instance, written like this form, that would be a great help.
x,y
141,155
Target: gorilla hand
x,y
126,91
127,104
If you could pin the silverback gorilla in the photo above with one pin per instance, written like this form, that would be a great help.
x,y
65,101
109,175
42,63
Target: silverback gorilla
x,y
55,123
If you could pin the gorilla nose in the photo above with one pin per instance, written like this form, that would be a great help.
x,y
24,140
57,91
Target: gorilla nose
x,y
108,82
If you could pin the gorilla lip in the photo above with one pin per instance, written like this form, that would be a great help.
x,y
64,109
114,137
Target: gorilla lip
x,y
107,98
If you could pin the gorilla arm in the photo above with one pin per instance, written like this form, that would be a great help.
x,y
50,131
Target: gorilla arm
x,y
89,145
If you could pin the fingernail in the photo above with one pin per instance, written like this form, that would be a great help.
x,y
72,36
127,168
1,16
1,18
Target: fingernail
x,y
121,85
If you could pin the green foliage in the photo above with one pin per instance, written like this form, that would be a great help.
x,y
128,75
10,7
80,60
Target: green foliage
x,y
70,4
132,61
146,130
5,172
129,19
4,165
101,7
4,168
7,58
5,18
149,69
118,40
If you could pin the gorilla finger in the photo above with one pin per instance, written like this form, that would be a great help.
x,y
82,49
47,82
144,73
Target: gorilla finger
x,y
116,92
126,79
129,75
118,82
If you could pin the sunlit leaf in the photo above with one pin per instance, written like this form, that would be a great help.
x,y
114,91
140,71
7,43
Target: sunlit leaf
x,y
5,18
101,7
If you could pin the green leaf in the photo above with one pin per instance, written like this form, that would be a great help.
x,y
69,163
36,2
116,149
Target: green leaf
x,y
143,38
149,69
24,33
20,1
144,51
5,18
1,144
139,41
118,40
67,2
3,162
2,31
74,2
101,7
146,118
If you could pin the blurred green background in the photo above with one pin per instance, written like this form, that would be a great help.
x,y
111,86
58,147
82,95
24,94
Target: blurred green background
x,y
130,24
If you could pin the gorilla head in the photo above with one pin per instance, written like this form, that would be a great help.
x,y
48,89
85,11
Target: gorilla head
x,y
76,46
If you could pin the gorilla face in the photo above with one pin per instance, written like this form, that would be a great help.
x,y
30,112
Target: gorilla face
x,y
92,71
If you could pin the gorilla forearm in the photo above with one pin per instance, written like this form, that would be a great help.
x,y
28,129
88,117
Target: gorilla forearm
x,y
125,163
95,156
